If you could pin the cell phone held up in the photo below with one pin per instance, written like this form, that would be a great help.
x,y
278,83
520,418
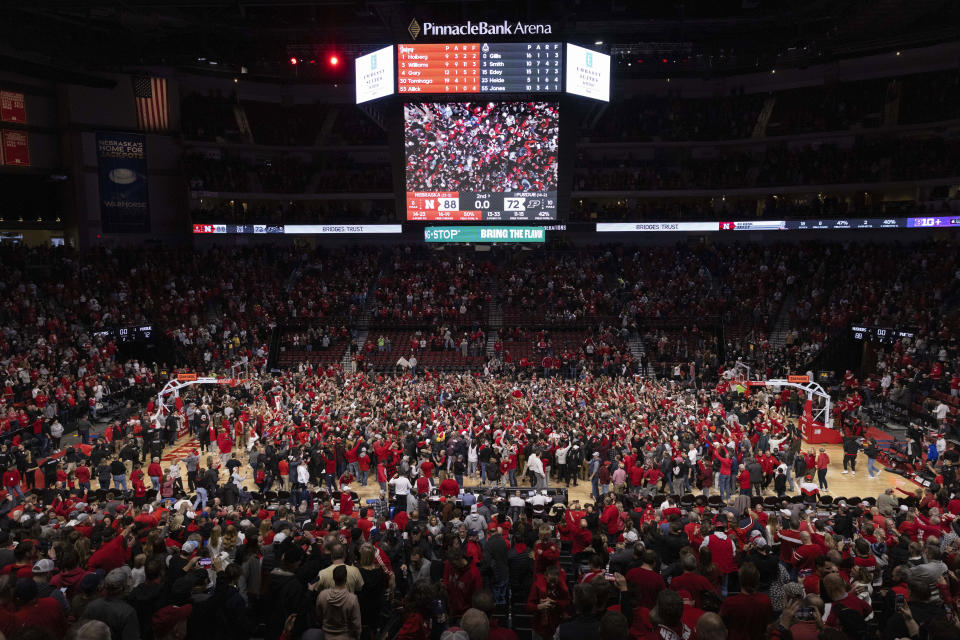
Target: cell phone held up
x,y
900,602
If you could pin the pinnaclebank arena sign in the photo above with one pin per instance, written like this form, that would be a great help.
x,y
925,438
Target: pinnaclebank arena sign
x,y
505,28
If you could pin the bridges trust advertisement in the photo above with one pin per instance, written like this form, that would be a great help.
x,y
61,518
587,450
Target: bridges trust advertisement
x,y
122,163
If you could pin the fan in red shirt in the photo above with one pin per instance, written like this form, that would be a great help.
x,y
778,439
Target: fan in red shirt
x,y
806,554
462,579
747,613
610,518
449,488
423,485
691,581
37,613
545,551
548,601
847,612
645,582
426,468
580,536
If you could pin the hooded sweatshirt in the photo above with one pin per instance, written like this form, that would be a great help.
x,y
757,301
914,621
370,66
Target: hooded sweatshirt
x,y
339,610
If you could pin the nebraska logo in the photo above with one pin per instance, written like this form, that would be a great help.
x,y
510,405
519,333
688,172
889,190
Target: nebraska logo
x,y
478,29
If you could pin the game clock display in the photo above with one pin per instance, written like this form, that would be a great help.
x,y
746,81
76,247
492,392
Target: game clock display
x,y
481,161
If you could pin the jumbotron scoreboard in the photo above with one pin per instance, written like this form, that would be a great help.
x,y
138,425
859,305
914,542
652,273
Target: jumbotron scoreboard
x,y
481,120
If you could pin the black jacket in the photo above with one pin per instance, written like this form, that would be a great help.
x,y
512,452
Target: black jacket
x,y
495,554
578,628
147,599
286,594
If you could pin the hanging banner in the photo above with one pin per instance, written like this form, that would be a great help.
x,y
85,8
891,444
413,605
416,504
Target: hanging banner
x,y
122,165
16,148
12,107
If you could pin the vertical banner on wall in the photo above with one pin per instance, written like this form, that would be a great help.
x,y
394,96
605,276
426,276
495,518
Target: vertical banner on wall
x,y
16,148
12,107
122,165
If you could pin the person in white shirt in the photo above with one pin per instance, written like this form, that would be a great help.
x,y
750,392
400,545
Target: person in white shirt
x,y
940,412
472,460
535,465
517,504
539,499
303,473
401,488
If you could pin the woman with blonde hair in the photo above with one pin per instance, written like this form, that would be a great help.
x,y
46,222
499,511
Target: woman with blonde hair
x,y
230,540
264,530
215,543
82,546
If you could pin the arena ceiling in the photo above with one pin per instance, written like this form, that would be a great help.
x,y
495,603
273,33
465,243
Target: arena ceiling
x,y
96,35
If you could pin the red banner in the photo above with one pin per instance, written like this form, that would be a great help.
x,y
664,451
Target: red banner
x,y
12,107
16,148
798,379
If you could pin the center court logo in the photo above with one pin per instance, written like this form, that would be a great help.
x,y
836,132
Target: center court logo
x,y
414,28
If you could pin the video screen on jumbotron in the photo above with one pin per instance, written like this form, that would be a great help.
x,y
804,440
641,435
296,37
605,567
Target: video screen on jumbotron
x,y
481,160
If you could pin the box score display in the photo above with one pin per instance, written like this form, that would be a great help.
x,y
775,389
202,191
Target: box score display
x,y
461,206
510,67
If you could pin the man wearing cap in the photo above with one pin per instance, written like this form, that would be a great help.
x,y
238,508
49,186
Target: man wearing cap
x,y
88,590
887,503
112,609
42,571
182,562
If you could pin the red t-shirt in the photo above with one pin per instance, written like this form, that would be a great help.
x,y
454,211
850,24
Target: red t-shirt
x,y
746,615
695,583
647,584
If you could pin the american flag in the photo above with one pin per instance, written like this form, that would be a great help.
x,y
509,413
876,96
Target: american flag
x,y
150,96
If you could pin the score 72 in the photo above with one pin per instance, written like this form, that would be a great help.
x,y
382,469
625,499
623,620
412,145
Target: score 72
x,y
514,204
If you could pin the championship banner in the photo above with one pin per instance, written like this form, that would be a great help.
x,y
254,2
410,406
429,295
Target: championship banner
x,y
122,165
16,148
12,107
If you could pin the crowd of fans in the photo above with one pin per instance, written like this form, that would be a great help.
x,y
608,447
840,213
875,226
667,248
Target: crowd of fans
x,y
260,531
481,147
240,532
843,106
646,118
329,173
868,160
213,118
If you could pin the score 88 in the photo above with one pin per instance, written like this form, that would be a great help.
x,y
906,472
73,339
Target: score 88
x,y
448,204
